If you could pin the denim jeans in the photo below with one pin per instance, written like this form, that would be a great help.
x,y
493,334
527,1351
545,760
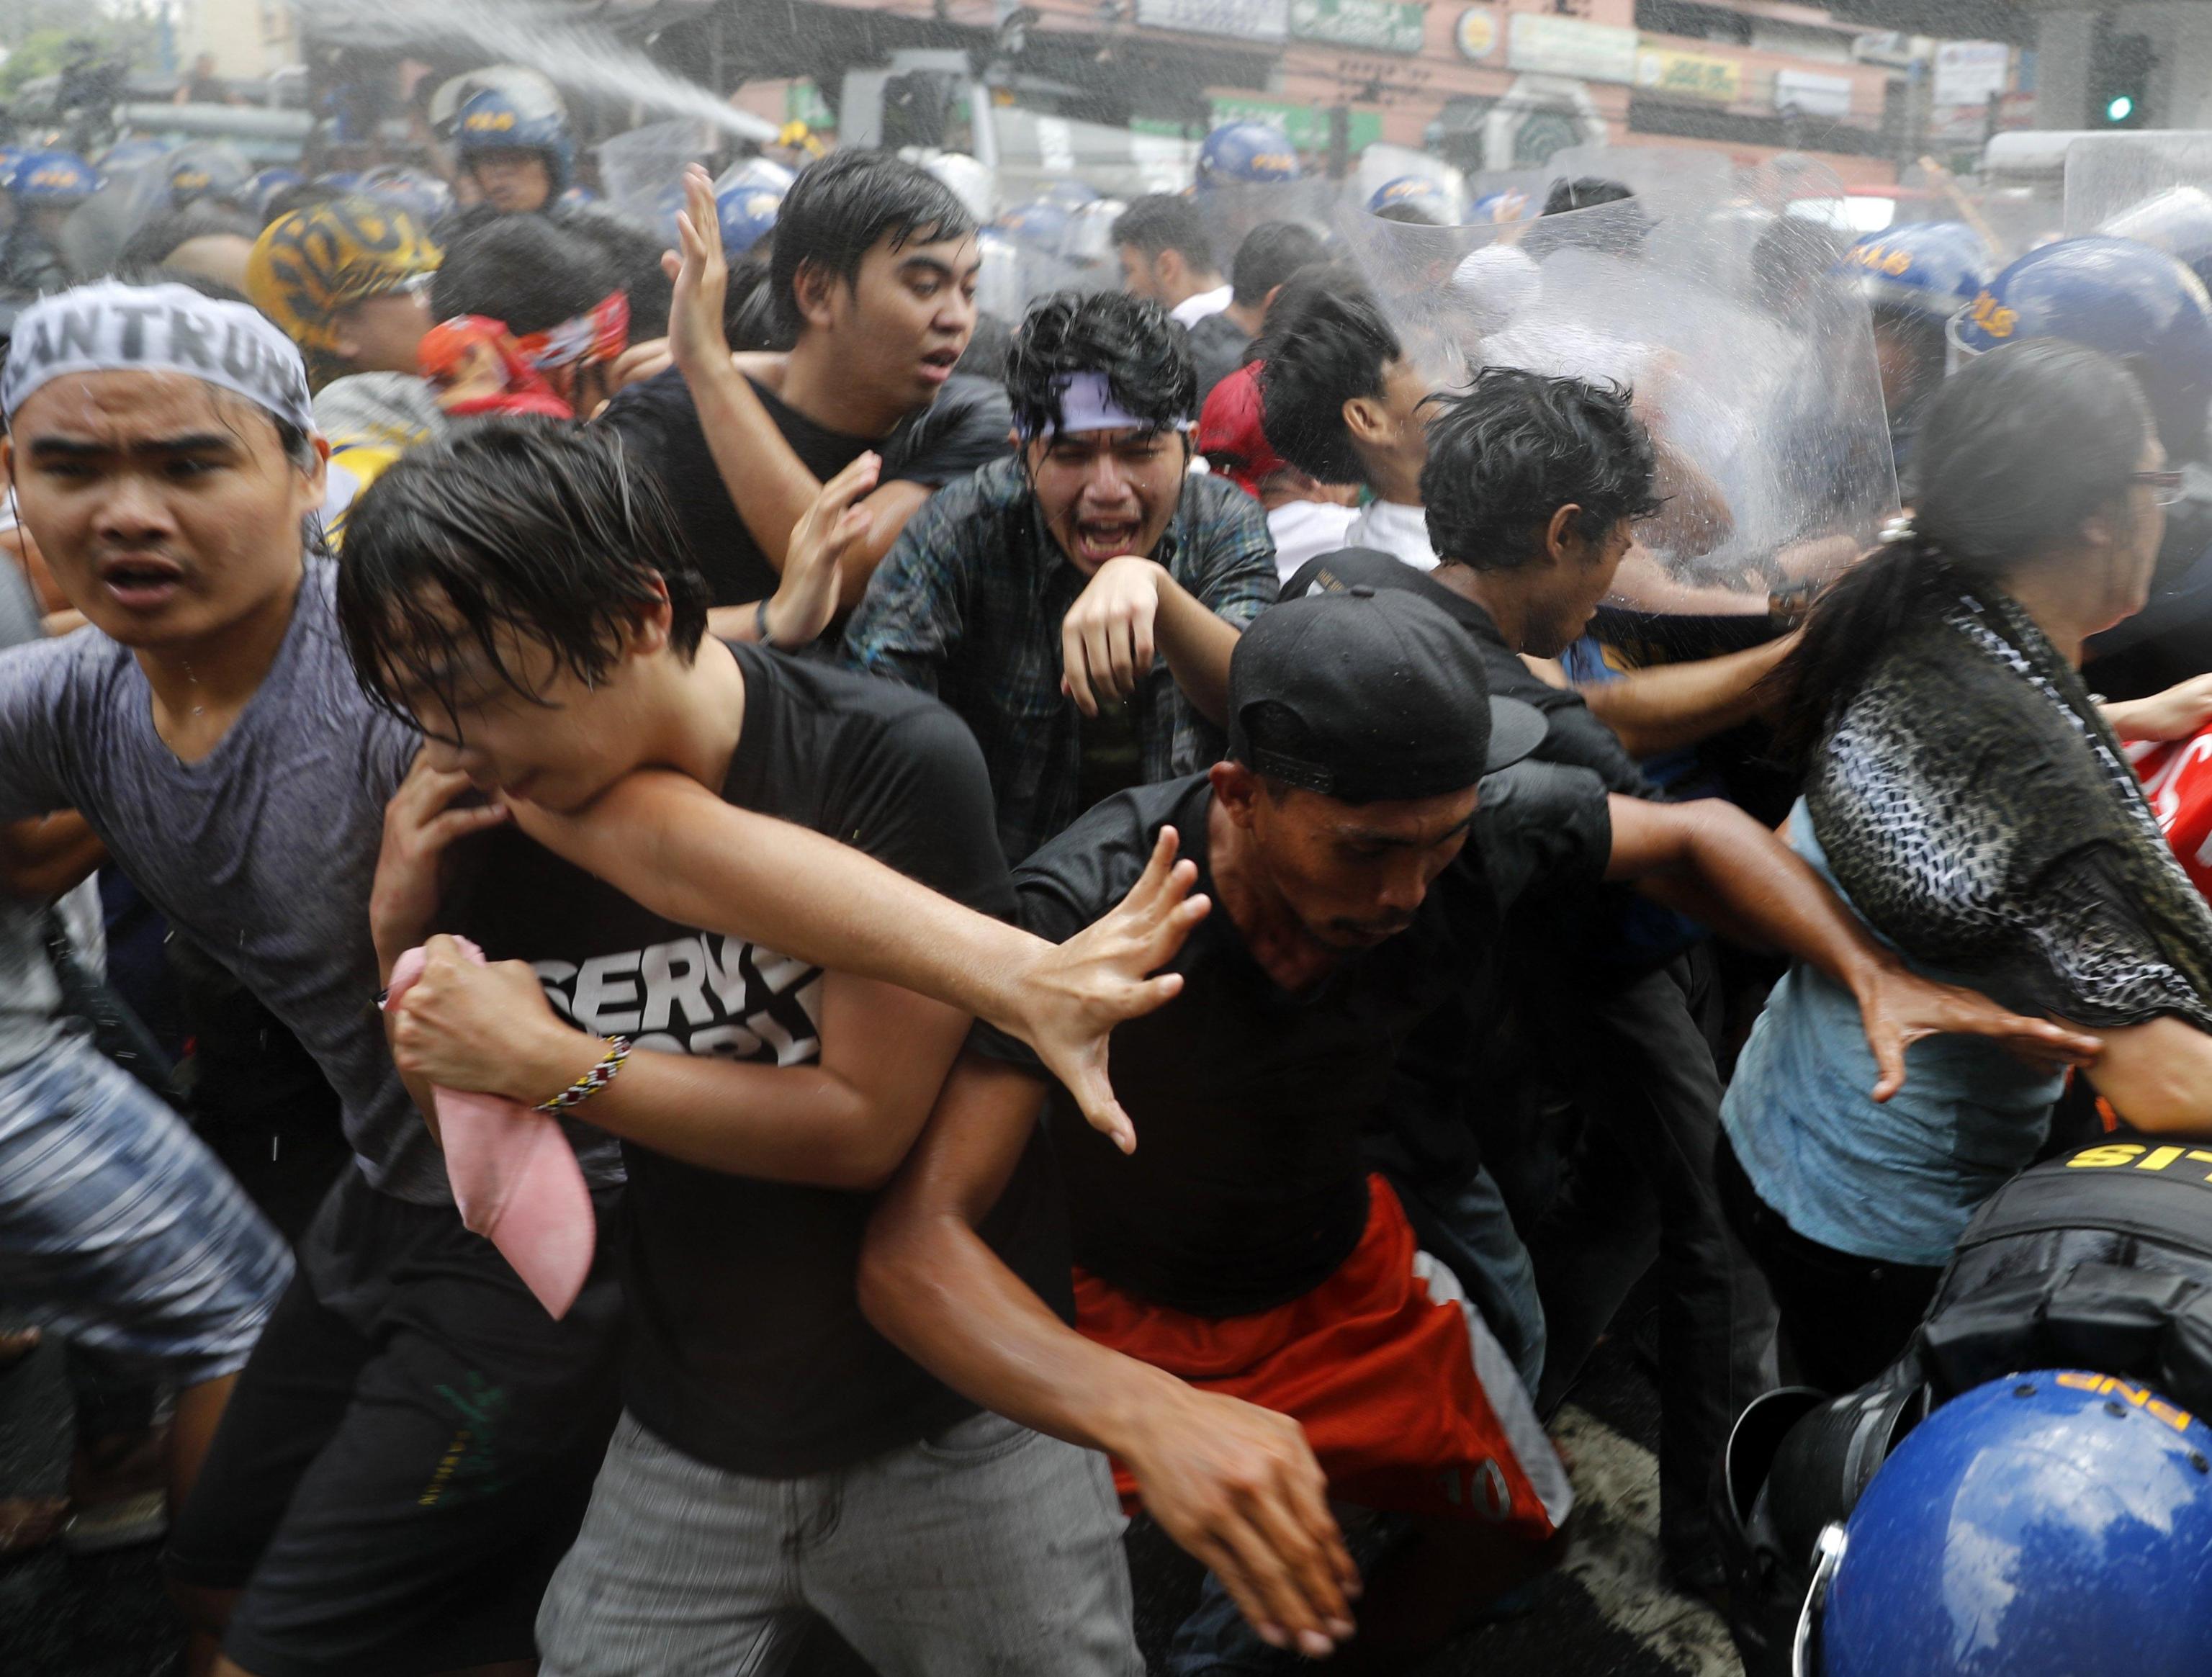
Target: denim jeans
x,y
988,1548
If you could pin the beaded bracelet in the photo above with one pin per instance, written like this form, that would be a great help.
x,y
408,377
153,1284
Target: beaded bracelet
x,y
592,1081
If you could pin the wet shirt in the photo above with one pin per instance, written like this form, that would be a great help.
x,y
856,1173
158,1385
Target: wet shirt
x,y
262,853
969,606
747,1348
1246,1189
964,427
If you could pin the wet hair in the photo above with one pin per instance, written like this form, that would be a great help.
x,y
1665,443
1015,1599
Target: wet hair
x,y
1507,454
842,207
542,526
749,320
1144,356
1271,253
1161,221
525,270
1327,341
1583,192
2017,450
203,218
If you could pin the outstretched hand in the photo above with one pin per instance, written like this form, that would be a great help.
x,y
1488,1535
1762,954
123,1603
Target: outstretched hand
x,y
696,341
1897,1008
807,599
1109,972
1236,1487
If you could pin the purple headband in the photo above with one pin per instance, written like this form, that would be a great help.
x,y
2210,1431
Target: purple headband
x,y
1087,404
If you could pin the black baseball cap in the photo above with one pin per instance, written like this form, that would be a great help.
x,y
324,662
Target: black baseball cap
x,y
1370,697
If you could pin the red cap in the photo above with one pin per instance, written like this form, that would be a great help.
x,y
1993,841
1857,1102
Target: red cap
x,y
1230,434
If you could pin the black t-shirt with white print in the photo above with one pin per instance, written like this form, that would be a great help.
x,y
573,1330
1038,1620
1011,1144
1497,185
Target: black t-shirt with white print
x,y
747,1349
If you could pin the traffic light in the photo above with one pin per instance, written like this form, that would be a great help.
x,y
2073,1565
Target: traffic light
x,y
2119,80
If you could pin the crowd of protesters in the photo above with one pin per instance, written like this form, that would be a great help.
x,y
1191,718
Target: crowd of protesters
x,y
881,945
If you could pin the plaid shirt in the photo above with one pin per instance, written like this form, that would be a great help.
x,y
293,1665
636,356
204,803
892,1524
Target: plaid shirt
x,y
968,606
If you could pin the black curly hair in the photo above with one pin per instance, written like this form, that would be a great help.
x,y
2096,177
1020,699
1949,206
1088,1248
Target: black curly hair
x,y
1507,454
1144,356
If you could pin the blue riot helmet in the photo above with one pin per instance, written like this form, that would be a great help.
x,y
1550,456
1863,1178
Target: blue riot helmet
x,y
10,157
1247,154
761,173
2053,1524
199,171
1500,207
2128,299
576,196
1415,195
58,178
425,197
748,217
262,190
1070,194
512,119
1038,224
340,180
2178,221
1931,268
130,155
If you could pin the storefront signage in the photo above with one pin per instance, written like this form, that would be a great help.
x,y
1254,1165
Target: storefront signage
x,y
1545,45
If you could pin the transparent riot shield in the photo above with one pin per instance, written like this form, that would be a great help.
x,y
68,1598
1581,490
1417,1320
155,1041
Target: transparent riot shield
x,y
1756,379
2155,189
642,172
2114,175
1233,210
1380,165
1662,176
129,197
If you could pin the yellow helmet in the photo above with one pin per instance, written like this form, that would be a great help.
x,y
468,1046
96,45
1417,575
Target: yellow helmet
x,y
309,265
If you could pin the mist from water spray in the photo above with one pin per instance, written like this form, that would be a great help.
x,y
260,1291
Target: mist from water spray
x,y
578,57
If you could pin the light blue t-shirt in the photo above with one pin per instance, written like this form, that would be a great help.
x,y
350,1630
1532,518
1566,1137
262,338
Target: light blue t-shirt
x,y
1897,1182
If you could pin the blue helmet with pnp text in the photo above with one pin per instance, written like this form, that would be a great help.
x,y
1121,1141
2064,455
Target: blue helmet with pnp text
x,y
1926,268
1247,154
1418,194
53,177
214,171
2130,300
2051,1524
504,119
747,216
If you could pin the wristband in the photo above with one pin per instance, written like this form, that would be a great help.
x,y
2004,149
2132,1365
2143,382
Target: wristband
x,y
592,1081
760,627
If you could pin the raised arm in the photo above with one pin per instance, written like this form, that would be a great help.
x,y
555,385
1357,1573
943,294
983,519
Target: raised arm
x,y
1237,1486
670,845
768,484
1712,861
1131,609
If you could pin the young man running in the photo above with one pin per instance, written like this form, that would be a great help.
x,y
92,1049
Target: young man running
x,y
776,1456
412,1444
874,279
1365,849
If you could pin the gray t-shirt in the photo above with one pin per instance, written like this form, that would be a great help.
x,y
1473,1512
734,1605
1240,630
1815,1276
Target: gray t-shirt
x,y
263,851
29,995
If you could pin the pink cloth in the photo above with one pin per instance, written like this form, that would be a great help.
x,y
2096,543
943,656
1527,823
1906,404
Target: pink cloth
x,y
514,1176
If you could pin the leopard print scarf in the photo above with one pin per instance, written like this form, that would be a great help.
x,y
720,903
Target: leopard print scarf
x,y
1934,840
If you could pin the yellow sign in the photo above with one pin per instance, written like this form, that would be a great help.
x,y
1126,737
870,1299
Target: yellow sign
x,y
1692,74
1476,32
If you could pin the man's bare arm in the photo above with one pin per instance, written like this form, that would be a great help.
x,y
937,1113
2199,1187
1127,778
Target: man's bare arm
x,y
1237,1486
1672,705
668,843
47,855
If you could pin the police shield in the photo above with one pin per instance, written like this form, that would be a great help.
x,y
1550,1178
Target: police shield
x,y
1755,376
642,171
130,197
2155,189
1233,210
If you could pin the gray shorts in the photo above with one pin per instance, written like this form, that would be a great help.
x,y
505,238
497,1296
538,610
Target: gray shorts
x,y
989,1549
119,1230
